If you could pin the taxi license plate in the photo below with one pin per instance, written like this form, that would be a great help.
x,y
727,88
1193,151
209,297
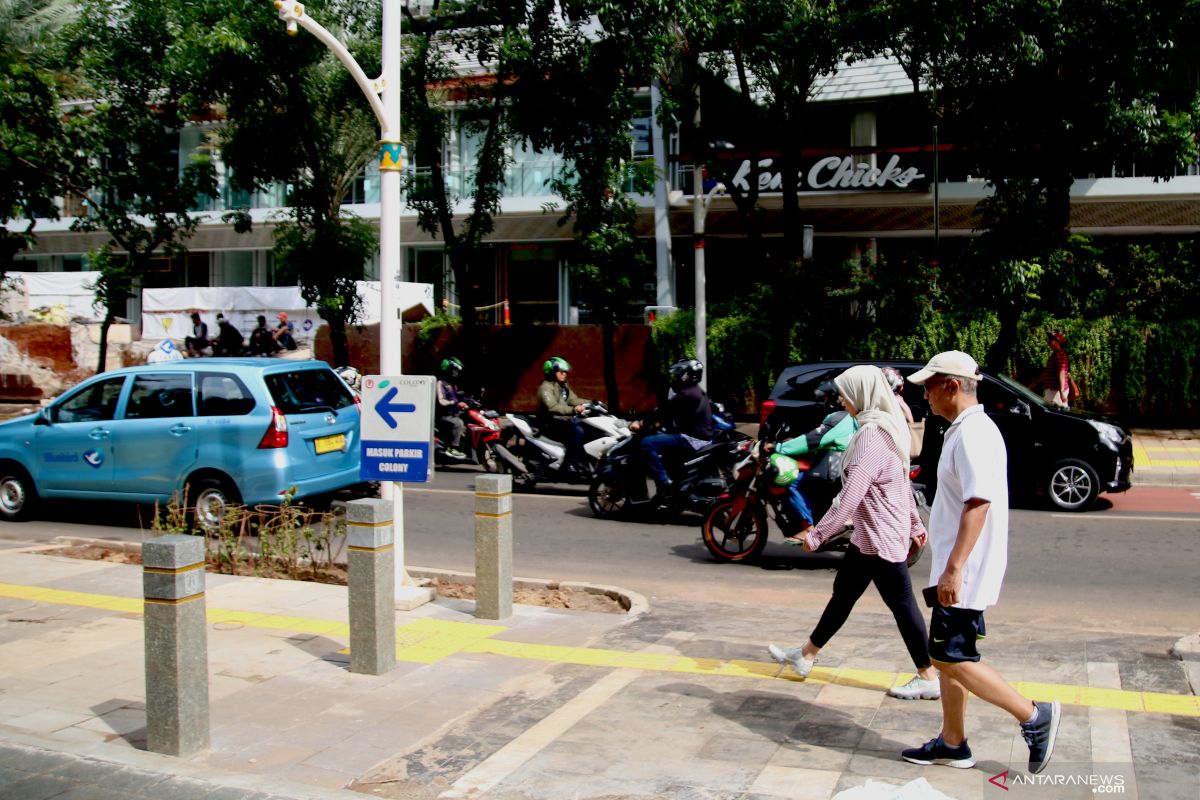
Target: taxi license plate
x,y
328,444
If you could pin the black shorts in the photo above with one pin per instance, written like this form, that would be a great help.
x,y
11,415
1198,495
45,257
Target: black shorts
x,y
954,634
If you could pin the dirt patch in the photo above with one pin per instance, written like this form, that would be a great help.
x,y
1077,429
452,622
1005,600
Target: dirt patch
x,y
550,596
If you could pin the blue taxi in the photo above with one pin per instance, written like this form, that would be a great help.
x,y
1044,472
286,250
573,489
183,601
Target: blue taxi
x,y
217,431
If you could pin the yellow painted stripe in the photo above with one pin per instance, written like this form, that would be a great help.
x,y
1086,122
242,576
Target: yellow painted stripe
x,y
493,516
384,524
427,641
178,601
385,548
1159,462
173,570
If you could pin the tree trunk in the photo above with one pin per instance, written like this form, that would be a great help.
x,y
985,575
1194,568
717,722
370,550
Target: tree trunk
x,y
104,326
608,331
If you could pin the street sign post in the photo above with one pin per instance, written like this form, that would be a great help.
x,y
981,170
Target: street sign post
x,y
397,428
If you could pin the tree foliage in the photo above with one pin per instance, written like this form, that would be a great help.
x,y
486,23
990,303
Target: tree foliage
x,y
32,150
132,178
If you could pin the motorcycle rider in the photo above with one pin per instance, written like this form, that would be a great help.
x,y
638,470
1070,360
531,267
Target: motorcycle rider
x,y
451,404
833,434
687,417
557,407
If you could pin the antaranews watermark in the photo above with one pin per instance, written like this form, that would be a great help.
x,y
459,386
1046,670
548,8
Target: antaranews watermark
x,y
1098,780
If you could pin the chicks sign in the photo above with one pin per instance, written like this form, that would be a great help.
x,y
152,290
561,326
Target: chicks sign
x,y
834,173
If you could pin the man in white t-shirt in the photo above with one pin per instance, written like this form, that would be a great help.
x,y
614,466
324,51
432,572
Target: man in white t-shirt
x,y
968,540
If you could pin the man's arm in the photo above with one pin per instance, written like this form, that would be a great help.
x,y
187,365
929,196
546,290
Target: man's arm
x,y
970,526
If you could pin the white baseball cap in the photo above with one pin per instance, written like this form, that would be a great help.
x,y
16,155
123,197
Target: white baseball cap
x,y
952,362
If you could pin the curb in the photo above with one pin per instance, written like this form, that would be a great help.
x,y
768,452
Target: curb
x,y
1187,650
634,604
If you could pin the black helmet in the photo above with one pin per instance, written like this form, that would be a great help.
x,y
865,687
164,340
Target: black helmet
x,y
451,367
554,365
827,393
685,372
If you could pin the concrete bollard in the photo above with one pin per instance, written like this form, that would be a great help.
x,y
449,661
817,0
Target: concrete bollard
x,y
370,540
493,547
176,645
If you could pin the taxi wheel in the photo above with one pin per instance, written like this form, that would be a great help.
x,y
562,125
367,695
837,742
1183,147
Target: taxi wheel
x,y
213,496
17,494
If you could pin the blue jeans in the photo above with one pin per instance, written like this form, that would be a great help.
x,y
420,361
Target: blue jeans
x,y
798,500
652,447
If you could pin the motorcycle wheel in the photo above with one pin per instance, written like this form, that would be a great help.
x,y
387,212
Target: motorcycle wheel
x,y
606,499
734,540
486,456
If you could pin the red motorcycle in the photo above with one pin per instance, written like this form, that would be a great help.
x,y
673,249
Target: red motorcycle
x,y
735,526
482,440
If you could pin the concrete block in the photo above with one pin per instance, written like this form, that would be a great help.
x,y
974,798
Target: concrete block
x,y
493,547
372,581
173,551
369,511
177,715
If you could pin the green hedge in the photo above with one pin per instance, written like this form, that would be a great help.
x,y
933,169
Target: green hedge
x,y
1143,372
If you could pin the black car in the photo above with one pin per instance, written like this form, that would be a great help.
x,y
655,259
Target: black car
x,y
1068,456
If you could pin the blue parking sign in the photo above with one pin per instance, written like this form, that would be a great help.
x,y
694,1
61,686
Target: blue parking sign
x,y
397,428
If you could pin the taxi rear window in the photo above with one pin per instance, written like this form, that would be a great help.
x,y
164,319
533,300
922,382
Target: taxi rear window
x,y
307,391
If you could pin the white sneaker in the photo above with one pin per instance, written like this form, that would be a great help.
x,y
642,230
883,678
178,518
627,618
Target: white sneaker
x,y
792,657
917,689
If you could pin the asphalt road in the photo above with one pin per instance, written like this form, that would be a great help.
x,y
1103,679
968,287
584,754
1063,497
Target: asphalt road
x,y
1130,564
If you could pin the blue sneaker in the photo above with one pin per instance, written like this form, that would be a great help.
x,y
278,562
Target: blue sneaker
x,y
935,751
1040,734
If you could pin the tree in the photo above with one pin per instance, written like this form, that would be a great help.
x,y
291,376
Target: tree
x,y
132,178
489,33
31,137
294,115
1042,92
585,61
742,73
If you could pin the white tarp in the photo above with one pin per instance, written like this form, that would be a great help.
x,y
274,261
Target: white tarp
x,y
167,312
64,295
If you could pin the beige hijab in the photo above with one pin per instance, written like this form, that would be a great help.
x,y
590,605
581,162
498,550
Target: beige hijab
x,y
868,391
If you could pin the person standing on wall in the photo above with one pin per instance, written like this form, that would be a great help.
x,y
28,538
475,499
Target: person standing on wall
x,y
968,540
1056,378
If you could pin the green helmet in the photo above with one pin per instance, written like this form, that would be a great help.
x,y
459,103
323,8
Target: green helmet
x,y
786,469
451,367
553,365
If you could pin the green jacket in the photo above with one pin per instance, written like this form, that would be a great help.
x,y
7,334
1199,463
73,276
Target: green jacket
x,y
833,433
555,399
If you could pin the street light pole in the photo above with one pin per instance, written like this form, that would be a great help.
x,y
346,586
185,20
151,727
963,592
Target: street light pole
x,y
383,94
700,203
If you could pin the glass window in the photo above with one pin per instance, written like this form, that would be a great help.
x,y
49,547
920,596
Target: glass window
x,y
159,396
95,402
308,390
223,395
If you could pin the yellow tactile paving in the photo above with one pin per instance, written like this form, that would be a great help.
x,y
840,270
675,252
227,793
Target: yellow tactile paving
x,y
427,641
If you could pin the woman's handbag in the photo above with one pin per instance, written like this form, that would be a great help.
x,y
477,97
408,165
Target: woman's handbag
x,y
828,467
917,432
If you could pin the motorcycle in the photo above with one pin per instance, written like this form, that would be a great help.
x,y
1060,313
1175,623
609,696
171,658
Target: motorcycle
x,y
483,440
539,459
621,485
735,527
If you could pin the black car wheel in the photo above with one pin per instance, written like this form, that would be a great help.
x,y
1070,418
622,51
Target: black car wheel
x,y
1073,485
17,494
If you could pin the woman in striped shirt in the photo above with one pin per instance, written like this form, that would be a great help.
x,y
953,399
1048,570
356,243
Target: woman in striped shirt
x,y
877,498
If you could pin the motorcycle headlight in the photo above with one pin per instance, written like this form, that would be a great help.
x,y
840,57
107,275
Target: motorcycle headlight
x,y
1110,435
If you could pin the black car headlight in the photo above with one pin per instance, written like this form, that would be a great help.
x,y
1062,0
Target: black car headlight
x,y
1110,435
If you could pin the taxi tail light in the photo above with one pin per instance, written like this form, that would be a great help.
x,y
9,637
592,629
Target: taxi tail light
x,y
277,432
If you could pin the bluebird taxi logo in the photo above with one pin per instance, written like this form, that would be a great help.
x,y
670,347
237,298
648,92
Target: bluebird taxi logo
x,y
94,458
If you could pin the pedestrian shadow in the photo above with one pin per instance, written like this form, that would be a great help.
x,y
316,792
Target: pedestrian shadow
x,y
772,559
125,719
786,719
